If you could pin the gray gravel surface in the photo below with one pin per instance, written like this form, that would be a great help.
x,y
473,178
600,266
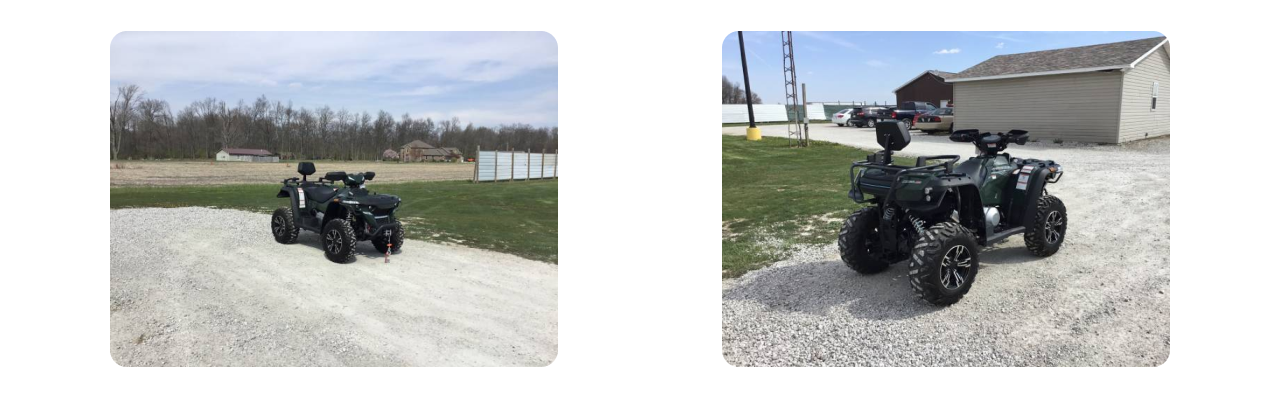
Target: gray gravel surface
x,y
1102,300
208,287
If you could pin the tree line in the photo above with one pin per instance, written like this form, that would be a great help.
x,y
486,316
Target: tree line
x,y
731,93
146,128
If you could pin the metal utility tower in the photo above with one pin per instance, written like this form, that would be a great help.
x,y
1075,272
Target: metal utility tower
x,y
795,129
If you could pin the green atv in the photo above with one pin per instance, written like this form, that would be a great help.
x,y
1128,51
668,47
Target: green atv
x,y
342,216
936,214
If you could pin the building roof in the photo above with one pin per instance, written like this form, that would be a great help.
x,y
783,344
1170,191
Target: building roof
x,y
417,144
1098,57
442,152
935,72
247,151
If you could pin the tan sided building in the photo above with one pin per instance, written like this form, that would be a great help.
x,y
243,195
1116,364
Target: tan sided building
x,y
1106,93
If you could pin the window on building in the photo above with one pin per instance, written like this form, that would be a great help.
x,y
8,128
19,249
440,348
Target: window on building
x,y
1155,94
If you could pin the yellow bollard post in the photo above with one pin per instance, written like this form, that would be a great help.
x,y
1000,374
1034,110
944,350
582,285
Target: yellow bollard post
x,y
753,134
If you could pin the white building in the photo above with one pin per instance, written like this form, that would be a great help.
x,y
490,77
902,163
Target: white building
x,y
1106,93
246,155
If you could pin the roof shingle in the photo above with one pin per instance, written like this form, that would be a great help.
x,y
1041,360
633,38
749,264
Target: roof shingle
x,y
1084,57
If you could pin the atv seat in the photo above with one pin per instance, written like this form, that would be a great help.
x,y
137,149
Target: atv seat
x,y
319,192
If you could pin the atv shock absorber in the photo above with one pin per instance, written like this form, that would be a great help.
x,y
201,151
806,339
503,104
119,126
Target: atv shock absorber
x,y
917,223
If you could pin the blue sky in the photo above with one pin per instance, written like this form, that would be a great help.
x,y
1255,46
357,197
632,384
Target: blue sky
x,y
868,66
488,78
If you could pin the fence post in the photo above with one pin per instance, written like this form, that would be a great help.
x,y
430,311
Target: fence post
x,y
475,175
555,169
513,166
495,166
542,164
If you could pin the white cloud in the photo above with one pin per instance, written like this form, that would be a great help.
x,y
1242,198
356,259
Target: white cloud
x,y
1000,45
877,64
948,51
295,85
424,91
269,57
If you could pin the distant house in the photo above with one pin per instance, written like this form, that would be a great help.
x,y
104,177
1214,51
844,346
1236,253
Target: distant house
x,y
446,154
1105,93
390,154
415,151
246,155
930,86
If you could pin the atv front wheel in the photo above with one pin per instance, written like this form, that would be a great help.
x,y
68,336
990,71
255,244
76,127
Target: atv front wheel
x,y
1049,228
944,263
859,242
339,241
397,239
282,226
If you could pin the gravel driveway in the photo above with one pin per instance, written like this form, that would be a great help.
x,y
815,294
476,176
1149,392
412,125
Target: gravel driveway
x,y
208,287
1102,300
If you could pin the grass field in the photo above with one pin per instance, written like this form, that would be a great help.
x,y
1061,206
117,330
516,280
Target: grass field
x,y
518,218
811,121
775,197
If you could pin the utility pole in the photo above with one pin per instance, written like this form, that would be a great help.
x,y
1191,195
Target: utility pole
x,y
753,132
804,101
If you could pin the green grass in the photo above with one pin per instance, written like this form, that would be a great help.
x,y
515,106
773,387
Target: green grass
x,y
775,197
811,121
518,218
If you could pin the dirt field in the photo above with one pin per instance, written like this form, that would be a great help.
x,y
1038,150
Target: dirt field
x,y
180,173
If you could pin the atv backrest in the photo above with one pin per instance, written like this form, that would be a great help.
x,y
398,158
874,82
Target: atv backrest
x,y
369,175
892,135
306,168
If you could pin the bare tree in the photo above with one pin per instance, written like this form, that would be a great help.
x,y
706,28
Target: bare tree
x,y
731,93
122,115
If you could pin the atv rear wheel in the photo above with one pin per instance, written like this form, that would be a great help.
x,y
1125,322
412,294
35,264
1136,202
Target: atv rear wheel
x,y
282,226
1049,228
944,263
397,239
859,243
339,241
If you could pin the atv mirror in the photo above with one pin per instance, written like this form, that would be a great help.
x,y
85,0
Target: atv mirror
x,y
892,135
368,175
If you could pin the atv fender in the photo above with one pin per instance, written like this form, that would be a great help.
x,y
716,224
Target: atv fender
x,y
1035,189
334,211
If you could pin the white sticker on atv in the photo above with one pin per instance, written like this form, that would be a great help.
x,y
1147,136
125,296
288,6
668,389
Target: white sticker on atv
x,y
1022,181
302,199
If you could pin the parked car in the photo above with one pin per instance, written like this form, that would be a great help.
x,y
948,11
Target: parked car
x,y
843,117
908,110
869,116
940,120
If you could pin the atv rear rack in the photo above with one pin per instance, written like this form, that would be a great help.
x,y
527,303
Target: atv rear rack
x,y
898,172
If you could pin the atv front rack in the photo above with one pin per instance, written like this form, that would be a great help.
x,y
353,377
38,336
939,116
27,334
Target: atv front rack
x,y
898,172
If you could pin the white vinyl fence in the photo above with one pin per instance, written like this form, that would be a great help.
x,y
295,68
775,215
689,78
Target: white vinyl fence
x,y
737,113
515,165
